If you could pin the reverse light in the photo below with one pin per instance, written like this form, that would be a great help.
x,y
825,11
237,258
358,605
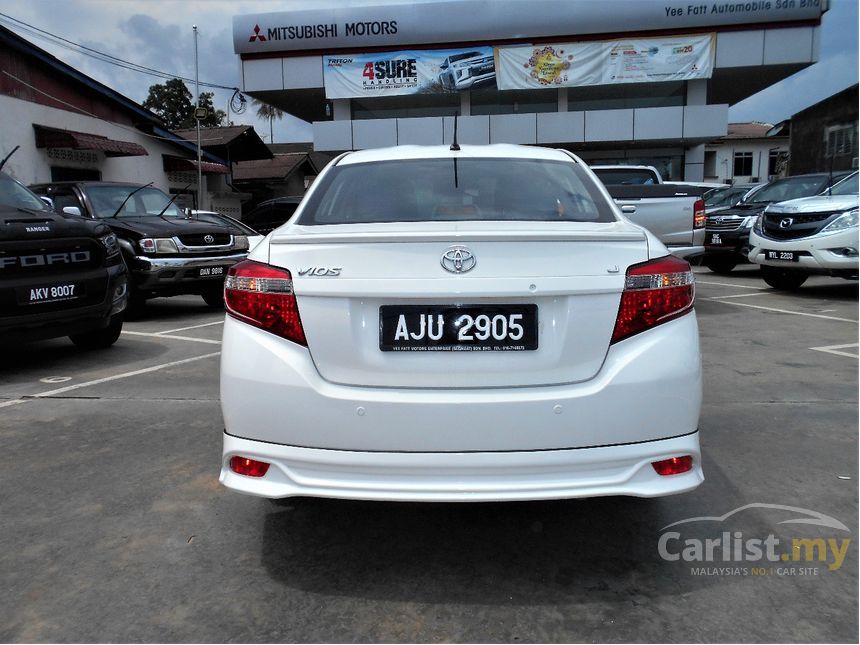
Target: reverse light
x,y
655,292
699,218
248,467
262,296
673,466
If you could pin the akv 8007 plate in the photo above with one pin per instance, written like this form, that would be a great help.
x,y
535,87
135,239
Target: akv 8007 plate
x,y
441,328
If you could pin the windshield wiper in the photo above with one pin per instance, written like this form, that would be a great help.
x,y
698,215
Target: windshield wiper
x,y
125,201
172,199
6,158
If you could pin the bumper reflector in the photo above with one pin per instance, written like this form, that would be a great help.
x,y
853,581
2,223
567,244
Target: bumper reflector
x,y
673,466
248,467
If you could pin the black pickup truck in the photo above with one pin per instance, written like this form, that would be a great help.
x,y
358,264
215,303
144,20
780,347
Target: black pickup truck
x,y
60,275
167,253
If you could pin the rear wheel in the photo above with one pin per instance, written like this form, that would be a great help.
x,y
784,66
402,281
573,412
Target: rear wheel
x,y
783,279
214,298
100,338
721,265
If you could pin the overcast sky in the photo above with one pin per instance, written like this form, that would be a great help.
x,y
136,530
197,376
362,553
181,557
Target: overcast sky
x,y
158,34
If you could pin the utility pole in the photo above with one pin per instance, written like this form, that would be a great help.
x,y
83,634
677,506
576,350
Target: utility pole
x,y
197,119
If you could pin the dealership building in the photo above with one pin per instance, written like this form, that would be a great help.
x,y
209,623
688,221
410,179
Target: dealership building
x,y
615,81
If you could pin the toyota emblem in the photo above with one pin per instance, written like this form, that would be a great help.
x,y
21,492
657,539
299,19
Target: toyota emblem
x,y
785,223
208,239
458,259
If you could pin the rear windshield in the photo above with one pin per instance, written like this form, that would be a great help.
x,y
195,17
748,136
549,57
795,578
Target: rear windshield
x,y
471,189
625,176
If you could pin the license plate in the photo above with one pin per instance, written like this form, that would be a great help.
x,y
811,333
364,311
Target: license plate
x,y
50,293
715,240
783,256
450,328
212,272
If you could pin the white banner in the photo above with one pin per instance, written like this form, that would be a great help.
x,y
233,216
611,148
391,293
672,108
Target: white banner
x,y
435,71
633,60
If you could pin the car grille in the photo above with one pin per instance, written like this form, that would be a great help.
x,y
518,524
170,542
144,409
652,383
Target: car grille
x,y
39,250
802,225
725,223
197,239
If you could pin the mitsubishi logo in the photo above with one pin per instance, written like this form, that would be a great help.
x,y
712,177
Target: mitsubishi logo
x,y
458,259
257,35
785,223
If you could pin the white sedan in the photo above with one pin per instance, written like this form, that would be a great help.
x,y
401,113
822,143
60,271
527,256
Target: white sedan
x,y
474,324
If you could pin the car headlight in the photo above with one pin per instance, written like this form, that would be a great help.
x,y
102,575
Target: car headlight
x,y
240,242
757,221
846,220
158,245
750,221
110,243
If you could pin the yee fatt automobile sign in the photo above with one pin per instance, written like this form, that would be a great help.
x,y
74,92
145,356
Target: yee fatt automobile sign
x,y
408,72
633,60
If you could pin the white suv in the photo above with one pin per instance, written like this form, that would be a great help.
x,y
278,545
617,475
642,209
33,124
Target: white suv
x,y
792,240
460,325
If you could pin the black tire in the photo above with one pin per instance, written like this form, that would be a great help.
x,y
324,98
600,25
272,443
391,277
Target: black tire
x,y
783,279
100,338
720,265
214,298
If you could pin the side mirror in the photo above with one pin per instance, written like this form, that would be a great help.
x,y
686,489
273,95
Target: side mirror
x,y
72,210
48,201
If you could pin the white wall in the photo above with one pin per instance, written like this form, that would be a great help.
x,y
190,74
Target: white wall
x,y
725,152
32,165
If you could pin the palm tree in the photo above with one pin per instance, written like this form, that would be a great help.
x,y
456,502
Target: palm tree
x,y
270,112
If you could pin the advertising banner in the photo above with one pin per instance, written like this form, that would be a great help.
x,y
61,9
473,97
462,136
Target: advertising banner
x,y
633,60
408,72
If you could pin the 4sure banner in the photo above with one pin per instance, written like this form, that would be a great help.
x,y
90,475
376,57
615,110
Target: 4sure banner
x,y
408,72
634,60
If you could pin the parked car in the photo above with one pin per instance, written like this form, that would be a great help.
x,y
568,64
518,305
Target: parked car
x,y
794,239
270,214
467,70
727,232
60,275
167,253
472,324
719,199
214,217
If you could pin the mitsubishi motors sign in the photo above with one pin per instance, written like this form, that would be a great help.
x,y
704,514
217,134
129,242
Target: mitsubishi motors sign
x,y
407,23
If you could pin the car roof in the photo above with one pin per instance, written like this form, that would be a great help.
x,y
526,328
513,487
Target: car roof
x,y
496,150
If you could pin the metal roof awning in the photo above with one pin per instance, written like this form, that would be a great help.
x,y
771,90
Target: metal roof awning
x,y
56,138
178,164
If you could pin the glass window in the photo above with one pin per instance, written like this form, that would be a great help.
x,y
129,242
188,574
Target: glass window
x,y
514,101
626,176
106,199
840,140
790,188
14,194
846,186
626,95
743,164
470,189
402,107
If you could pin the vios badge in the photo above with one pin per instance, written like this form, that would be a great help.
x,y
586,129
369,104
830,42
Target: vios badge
x,y
458,259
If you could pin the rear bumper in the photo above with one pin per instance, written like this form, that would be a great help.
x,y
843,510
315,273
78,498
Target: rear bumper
x,y
463,477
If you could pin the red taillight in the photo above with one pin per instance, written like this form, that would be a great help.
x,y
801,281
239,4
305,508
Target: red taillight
x,y
699,214
673,466
654,292
262,295
248,467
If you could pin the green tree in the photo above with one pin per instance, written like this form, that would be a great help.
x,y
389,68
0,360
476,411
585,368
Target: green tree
x,y
172,103
270,112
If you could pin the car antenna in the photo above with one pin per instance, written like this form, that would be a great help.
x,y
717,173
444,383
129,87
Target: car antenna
x,y
829,178
116,212
454,145
6,158
175,195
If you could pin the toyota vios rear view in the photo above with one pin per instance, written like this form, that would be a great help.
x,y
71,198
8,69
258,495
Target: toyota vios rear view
x,y
472,324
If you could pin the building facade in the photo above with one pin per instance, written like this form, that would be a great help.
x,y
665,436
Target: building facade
x,y
746,155
614,81
824,135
